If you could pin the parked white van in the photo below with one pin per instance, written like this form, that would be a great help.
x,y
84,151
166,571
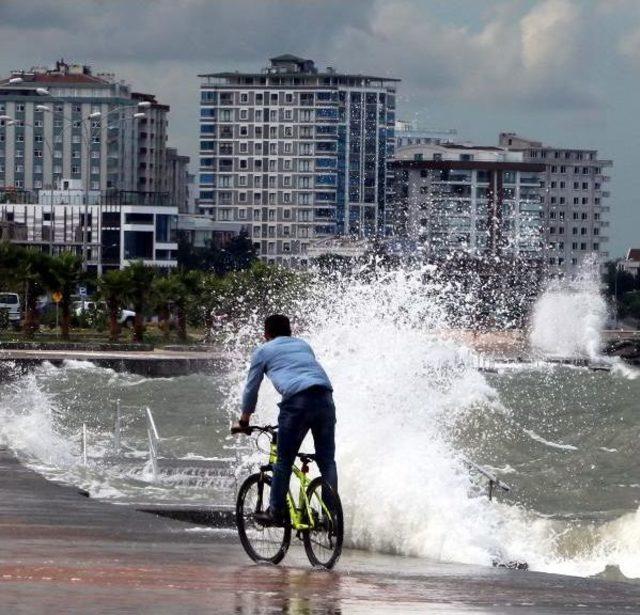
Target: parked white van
x,y
11,303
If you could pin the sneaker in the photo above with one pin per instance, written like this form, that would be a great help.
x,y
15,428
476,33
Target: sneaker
x,y
269,519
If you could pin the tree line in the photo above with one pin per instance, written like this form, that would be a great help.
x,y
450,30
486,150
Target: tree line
x,y
181,298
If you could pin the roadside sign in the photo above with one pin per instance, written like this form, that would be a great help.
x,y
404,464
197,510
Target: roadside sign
x,y
57,297
82,291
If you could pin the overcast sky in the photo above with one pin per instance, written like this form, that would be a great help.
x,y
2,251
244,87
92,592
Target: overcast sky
x,y
562,71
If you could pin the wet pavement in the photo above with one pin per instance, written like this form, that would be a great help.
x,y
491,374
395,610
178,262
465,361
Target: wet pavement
x,y
62,552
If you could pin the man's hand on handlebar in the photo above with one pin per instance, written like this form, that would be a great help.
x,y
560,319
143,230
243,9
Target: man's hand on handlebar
x,y
242,426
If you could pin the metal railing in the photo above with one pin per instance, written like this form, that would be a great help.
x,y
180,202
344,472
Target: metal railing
x,y
493,481
153,438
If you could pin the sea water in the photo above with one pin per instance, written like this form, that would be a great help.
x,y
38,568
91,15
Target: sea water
x,y
411,408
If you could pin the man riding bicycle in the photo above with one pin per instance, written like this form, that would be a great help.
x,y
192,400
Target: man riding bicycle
x,y
307,404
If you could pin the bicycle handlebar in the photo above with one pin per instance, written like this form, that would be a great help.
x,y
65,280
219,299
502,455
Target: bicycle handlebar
x,y
251,428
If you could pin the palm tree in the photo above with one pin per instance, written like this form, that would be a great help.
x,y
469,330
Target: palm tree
x,y
61,274
165,291
32,269
190,288
114,287
140,281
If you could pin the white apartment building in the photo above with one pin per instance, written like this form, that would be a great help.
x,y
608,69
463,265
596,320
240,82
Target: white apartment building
x,y
575,201
296,153
458,197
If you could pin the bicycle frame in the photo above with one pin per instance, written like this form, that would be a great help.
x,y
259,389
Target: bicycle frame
x,y
298,514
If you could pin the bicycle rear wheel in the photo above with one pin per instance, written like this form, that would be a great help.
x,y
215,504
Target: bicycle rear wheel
x,y
323,544
262,544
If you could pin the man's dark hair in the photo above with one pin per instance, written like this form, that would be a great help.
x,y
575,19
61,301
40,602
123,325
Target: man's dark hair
x,y
277,325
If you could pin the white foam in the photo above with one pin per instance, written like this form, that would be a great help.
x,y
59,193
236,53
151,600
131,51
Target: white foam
x,y
569,316
538,438
399,390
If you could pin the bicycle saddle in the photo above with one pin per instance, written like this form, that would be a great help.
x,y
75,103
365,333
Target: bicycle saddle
x,y
306,457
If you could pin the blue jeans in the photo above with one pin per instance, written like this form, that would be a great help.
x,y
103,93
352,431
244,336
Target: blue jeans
x,y
313,410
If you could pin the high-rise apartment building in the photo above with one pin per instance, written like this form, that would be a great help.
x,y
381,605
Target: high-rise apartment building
x,y
463,198
574,197
295,154
69,123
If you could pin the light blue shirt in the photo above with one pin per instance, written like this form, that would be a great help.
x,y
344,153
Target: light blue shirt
x,y
291,366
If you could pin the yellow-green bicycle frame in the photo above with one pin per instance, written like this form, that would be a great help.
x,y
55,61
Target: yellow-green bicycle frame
x,y
298,514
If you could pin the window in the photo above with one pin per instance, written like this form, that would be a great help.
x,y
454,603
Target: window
x,y
37,153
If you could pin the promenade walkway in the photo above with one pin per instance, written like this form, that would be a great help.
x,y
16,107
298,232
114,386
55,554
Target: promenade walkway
x,y
145,362
61,552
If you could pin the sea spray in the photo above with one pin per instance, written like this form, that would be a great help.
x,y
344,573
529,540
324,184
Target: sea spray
x,y
401,390
569,316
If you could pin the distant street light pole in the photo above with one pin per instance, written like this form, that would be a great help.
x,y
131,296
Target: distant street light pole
x,y
87,132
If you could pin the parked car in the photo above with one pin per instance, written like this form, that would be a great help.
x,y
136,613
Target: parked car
x,y
125,317
11,303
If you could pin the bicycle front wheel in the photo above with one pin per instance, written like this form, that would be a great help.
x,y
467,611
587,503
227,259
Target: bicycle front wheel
x,y
323,544
262,544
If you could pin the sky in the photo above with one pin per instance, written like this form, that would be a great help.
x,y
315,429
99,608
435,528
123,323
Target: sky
x,y
565,72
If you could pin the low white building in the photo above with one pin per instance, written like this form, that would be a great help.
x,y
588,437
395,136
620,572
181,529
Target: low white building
x,y
121,227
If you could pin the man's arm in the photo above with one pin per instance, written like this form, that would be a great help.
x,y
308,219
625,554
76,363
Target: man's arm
x,y
251,388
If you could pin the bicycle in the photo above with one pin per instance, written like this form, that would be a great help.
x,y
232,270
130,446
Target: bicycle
x,y
316,516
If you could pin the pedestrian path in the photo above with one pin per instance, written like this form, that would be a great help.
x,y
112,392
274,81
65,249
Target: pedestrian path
x,y
62,552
